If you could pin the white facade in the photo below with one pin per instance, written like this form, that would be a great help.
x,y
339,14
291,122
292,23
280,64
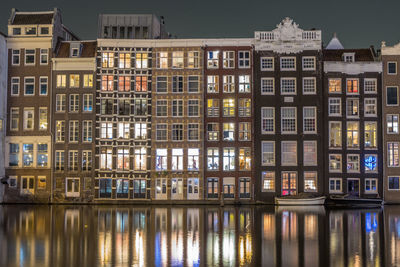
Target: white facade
x,y
3,105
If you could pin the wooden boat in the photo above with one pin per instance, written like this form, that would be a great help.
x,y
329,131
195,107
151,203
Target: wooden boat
x,y
350,201
297,201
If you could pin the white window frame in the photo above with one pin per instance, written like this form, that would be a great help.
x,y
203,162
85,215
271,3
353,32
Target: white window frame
x,y
394,154
15,81
263,153
391,189
73,193
341,134
303,63
267,69
347,162
376,167
286,92
314,91
267,118
291,118
286,68
374,80
334,104
44,52
263,85
358,88
369,104
306,154
397,93
341,163
388,68
315,180
347,108
240,60
34,57
34,87
310,118
226,58
16,55
283,163
370,184
387,121
341,185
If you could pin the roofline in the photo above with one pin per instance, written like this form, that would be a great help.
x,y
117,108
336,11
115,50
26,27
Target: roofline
x,y
70,32
34,12
3,34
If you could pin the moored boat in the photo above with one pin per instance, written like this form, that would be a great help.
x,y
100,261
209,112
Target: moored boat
x,y
350,201
296,201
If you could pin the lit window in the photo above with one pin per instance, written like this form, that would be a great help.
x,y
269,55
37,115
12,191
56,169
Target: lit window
x,y
310,153
212,131
228,107
335,185
352,86
212,158
140,159
212,59
124,60
392,123
177,60
267,120
371,163
212,84
289,153
370,137
352,107
141,131
229,131
335,134
161,159
60,131
86,160
43,118
353,163
229,59
124,83
267,86
107,60
288,63
393,154
267,63
268,153
244,131
335,85
309,85
228,83
353,138
106,158
29,116
308,63
177,159
87,131
87,102
141,61
244,107
212,187
141,84
244,159
310,181
30,30
335,163
27,155
335,107
370,107
244,84
107,83
61,81
193,159
106,130
244,59
309,119
268,181
212,107
228,159
162,60
73,131
288,120
193,59
288,86
42,155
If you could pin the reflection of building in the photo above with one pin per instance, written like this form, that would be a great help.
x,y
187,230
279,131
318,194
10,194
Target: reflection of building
x,y
32,39
390,122
288,109
353,139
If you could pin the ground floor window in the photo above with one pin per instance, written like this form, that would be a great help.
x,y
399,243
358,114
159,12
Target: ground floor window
x,y
371,185
27,185
268,181
212,188
41,183
244,188
72,187
229,187
122,188
335,185
193,188
310,181
105,188
289,183
161,188
177,188
139,188
12,181
393,182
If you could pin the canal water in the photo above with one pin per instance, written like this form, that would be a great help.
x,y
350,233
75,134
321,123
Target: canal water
x,y
198,236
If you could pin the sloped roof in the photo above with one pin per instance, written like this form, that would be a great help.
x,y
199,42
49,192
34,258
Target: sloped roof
x,y
363,54
88,49
32,18
334,44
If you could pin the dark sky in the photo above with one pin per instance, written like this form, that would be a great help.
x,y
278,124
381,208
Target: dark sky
x,y
358,23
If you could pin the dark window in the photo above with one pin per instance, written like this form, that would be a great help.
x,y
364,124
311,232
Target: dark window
x,y
106,107
17,31
44,30
105,188
392,68
394,183
392,97
139,188
114,32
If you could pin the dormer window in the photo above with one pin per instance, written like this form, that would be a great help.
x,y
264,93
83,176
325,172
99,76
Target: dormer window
x,y
30,30
16,31
75,52
348,57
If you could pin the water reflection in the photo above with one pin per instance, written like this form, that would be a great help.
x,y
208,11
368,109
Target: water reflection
x,y
198,236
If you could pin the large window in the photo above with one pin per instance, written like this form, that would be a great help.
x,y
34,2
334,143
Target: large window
x,y
86,160
42,155
309,119
352,107
177,108
394,183
107,60
27,155
212,84
228,159
268,153
289,153
244,159
267,86
60,131
213,107
123,159
370,107
162,132
267,120
228,107
212,131
87,131
43,118
177,60
335,163
228,59
353,163
193,59
124,83
288,86
141,61
228,83
370,86
162,60
392,96
310,153
310,181
74,80
212,187
267,63
30,56
87,102
244,84
14,119
335,85
212,59
370,135
392,67
141,83
177,159
244,107
335,106
308,63
392,123
193,159
124,60
229,131
106,158
141,131
140,159
288,120
43,85
268,181
73,131
244,131
59,158
29,118
123,130
15,84
288,63
371,186
353,137
335,134
177,132
193,132
14,155
161,159
73,160
72,187
213,158
393,154
73,103
29,86
193,108
193,84
244,59
16,57
335,185
371,163
106,130
107,83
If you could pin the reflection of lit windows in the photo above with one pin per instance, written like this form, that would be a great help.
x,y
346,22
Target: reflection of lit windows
x,y
394,183
310,181
371,185
353,163
335,163
268,179
161,159
335,185
371,163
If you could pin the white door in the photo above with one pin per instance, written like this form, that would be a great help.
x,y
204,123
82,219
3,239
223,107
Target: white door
x,y
193,188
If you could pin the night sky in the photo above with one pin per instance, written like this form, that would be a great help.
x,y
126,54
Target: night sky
x,y
358,23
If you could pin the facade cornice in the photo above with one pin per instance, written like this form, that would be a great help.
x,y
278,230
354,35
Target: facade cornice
x,y
352,68
34,42
71,64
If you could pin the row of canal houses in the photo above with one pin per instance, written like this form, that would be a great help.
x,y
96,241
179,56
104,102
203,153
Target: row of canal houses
x,y
139,117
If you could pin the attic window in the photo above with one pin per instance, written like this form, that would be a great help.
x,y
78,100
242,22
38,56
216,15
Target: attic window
x,y
44,30
75,52
30,30
348,57
16,31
